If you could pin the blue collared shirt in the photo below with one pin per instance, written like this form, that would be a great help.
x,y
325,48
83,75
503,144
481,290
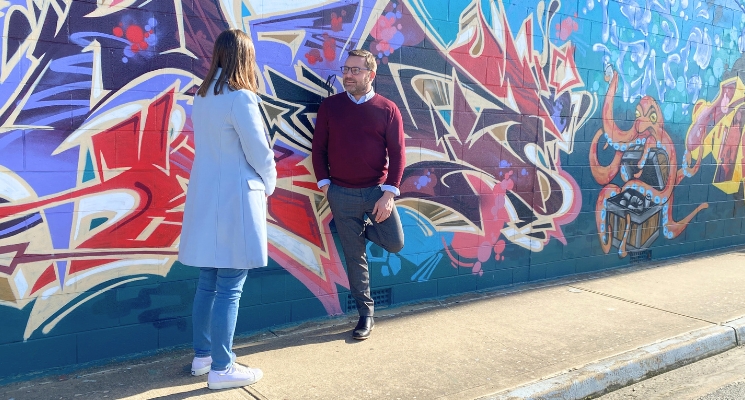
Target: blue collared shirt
x,y
369,95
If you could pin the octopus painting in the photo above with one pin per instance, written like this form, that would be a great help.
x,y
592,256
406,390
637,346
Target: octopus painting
x,y
632,216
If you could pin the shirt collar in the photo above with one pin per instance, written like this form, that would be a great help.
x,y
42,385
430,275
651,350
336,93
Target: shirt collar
x,y
369,95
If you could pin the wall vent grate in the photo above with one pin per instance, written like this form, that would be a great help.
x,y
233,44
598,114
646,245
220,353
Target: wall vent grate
x,y
382,298
640,256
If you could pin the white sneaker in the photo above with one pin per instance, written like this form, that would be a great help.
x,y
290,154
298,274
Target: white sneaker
x,y
200,365
236,376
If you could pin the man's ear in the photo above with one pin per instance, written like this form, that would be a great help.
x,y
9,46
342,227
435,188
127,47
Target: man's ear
x,y
372,75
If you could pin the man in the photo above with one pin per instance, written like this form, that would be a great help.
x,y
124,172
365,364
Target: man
x,y
358,158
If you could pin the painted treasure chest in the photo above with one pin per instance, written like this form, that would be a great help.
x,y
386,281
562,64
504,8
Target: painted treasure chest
x,y
643,211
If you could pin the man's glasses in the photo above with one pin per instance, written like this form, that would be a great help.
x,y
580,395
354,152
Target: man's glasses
x,y
353,70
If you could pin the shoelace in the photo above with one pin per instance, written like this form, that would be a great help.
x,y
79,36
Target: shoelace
x,y
238,368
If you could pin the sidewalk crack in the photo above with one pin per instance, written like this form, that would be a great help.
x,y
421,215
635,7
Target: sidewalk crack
x,y
254,393
642,304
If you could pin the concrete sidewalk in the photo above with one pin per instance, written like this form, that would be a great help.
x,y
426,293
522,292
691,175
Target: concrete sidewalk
x,y
564,339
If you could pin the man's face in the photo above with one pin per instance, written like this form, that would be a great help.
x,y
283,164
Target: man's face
x,y
361,83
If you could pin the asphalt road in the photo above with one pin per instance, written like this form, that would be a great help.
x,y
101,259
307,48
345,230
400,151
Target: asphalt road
x,y
721,377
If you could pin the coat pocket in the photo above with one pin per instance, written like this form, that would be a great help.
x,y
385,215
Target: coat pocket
x,y
256,185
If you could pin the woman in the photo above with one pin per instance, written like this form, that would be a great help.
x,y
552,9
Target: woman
x,y
224,229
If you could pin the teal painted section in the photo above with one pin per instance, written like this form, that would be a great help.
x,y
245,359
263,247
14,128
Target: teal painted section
x,y
89,173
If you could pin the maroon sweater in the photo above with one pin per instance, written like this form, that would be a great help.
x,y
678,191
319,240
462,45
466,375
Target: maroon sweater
x,y
359,145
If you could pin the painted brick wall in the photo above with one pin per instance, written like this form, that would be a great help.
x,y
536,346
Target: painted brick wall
x,y
543,139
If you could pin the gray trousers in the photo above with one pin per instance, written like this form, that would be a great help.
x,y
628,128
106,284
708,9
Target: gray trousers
x,y
349,207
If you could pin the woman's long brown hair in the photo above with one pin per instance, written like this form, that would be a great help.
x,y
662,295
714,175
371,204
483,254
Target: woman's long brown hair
x,y
234,53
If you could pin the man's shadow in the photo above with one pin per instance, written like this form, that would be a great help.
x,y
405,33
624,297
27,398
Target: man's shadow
x,y
296,339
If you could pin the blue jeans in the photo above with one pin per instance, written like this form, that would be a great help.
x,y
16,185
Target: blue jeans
x,y
215,313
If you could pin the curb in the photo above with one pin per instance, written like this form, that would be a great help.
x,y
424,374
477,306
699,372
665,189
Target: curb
x,y
739,326
624,369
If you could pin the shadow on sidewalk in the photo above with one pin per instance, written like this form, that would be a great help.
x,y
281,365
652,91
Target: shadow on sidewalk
x,y
196,393
166,375
340,334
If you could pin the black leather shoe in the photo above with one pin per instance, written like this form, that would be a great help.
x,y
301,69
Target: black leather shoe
x,y
364,327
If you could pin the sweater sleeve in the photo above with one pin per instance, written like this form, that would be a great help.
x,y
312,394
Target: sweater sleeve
x,y
395,144
320,147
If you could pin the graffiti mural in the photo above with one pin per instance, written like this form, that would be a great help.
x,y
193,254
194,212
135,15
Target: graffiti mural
x,y
717,130
671,50
631,217
662,58
99,121
534,132
483,154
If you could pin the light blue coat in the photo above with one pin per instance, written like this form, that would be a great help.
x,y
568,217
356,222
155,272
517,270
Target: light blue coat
x,y
225,213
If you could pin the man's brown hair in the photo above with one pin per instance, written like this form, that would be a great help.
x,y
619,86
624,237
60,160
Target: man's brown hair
x,y
369,58
234,53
